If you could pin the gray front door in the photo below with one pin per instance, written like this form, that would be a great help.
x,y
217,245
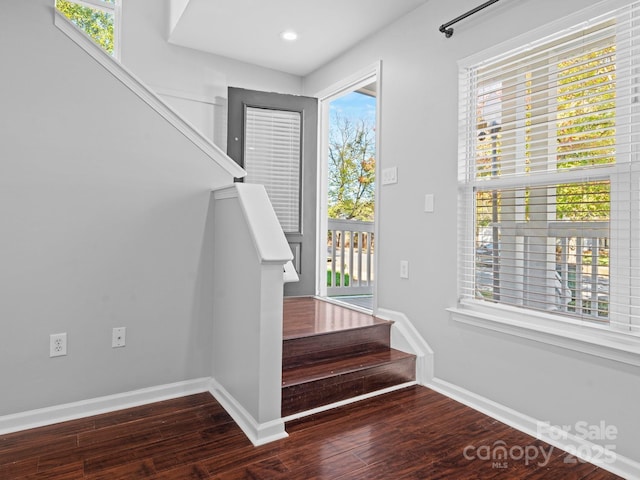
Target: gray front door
x,y
274,138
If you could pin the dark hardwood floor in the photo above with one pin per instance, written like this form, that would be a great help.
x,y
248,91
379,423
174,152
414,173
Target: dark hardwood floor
x,y
413,433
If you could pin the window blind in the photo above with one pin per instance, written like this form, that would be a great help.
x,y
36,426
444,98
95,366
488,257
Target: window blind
x,y
272,153
549,176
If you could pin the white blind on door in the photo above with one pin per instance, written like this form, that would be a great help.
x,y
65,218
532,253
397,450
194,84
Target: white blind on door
x,y
272,157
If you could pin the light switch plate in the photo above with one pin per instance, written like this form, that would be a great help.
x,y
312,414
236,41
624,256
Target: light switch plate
x,y
428,202
389,175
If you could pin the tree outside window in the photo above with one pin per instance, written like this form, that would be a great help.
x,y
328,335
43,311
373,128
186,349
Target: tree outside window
x,y
96,22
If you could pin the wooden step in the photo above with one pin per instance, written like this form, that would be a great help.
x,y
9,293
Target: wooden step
x,y
316,331
308,316
311,386
313,349
333,353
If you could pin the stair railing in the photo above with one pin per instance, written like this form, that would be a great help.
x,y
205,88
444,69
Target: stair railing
x,y
250,253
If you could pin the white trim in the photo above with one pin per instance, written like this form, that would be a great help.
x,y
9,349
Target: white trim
x,y
96,4
322,203
225,193
405,337
96,406
351,306
348,401
290,274
117,30
193,97
257,433
379,161
576,335
349,84
149,97
622,466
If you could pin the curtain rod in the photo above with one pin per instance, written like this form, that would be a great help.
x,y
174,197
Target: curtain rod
x,y
445,27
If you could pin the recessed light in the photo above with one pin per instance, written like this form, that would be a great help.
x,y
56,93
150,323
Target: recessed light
x,y
289,35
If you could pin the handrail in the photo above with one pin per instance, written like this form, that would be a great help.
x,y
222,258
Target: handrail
x,y
147,95
264,228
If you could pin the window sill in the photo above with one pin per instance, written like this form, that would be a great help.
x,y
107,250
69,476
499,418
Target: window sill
x,y
573,335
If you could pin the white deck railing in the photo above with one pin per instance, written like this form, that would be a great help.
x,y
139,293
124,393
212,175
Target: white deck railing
x,y
583,278
350,250
575,274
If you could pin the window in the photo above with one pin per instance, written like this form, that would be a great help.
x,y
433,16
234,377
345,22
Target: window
x,y
549,176
272,158
97,18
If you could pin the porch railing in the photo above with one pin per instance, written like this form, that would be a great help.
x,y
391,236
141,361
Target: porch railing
x,y
572,277
582,264
350,251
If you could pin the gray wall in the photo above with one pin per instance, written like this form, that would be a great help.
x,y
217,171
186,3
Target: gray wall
x,y
104,218
419,104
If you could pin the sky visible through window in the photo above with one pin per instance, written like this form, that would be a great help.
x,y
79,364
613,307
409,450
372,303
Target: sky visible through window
x,y
351,157
355,105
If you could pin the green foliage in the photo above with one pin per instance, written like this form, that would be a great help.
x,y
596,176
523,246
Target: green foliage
x,y
585,132
352,167
583,201
95,23
336,279
586,109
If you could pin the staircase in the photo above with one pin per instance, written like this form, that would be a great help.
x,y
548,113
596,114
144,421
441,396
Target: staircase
x,y
333,353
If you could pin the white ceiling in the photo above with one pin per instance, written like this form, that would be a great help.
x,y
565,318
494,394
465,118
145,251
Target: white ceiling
x,y
249,30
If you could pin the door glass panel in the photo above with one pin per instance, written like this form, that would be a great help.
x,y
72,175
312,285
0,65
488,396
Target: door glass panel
x,y
272,158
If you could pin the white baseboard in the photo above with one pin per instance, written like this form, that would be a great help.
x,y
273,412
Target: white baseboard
x,y
405,337
258,433
96,406
342,403
571,443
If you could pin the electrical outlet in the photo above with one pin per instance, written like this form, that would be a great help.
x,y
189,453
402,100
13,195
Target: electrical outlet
x,y
404,269
118,337
57,344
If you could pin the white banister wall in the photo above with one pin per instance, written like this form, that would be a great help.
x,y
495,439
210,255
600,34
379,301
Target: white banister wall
x,y
250,251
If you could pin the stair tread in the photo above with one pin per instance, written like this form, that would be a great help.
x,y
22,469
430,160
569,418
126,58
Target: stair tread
x,y
332,368
309,316
323,347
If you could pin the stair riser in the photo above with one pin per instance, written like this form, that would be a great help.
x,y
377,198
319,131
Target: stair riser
x,y
309,395
319,348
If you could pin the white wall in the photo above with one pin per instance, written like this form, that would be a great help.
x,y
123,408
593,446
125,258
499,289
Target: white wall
x,y
104,223
419,135
183,76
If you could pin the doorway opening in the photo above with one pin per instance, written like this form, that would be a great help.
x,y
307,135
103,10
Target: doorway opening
x,y
347,236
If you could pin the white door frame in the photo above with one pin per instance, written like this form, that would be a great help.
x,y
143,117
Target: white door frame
x,y
349,84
